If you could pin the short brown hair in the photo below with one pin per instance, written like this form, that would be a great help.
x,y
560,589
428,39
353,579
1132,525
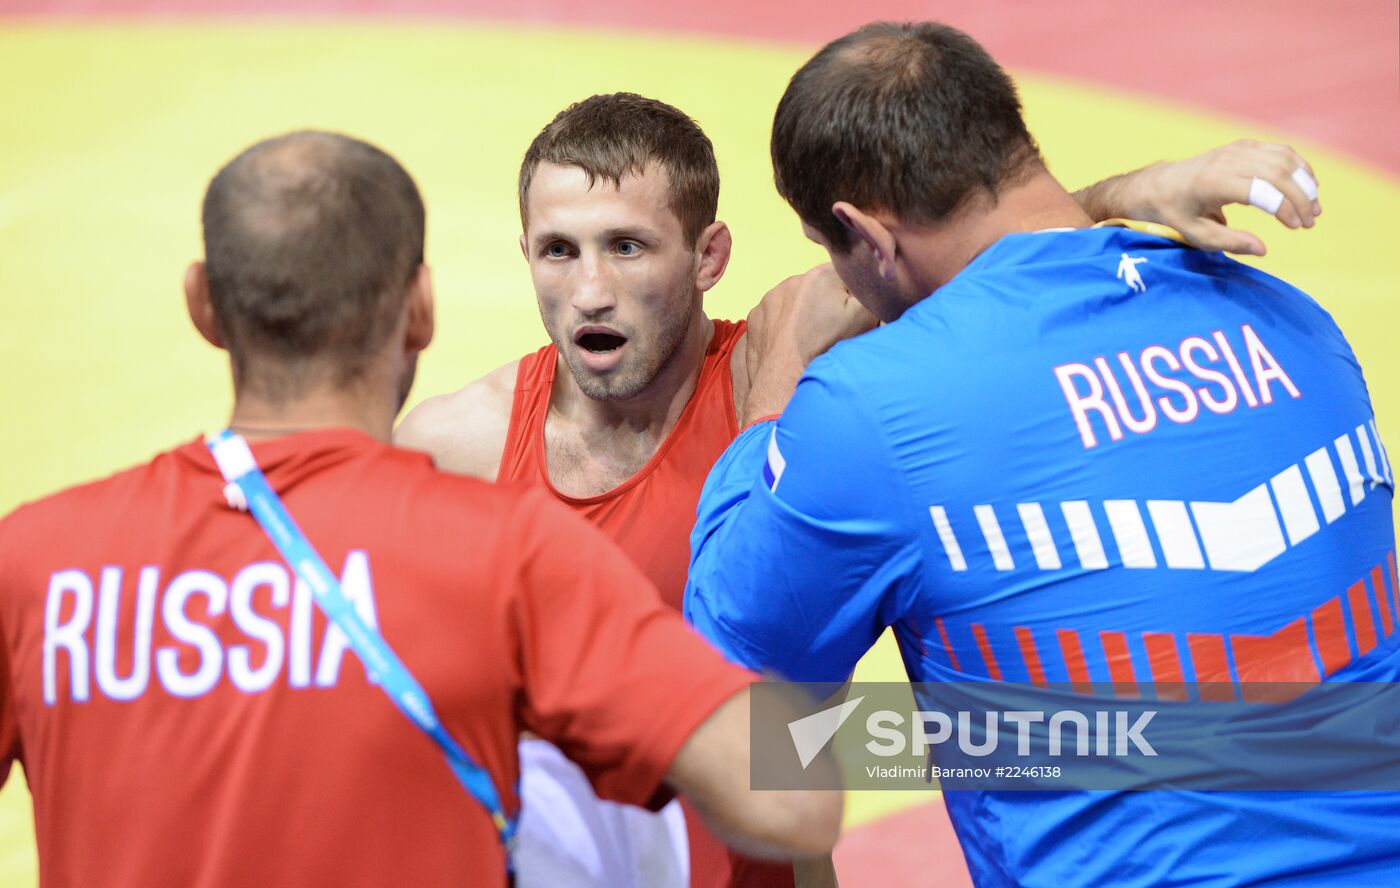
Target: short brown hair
x,y
908,118
610,136
310,240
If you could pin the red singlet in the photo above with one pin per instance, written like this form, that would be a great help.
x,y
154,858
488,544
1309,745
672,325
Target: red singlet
x,y
651,514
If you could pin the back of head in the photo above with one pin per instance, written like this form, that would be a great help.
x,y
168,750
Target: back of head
x,y
611,136
310,241
912,119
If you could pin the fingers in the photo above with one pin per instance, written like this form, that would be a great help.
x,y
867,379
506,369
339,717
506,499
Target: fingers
x,y
823,282
1280,182
1207,234
1307,179
823,278
1297,208
1265,196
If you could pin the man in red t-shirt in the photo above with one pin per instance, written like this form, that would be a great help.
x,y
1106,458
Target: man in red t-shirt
x,y
183,711
622,416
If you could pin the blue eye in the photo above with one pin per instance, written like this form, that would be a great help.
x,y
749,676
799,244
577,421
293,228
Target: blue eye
x,y
556,250
628,248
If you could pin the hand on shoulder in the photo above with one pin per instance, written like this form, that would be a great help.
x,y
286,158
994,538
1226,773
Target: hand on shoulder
x,y
795,321
1191,195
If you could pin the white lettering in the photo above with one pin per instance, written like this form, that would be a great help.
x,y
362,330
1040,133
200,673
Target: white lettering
x,y
1235,368
211,653
1134,733
1081,739
299,667
108,607
881,725
1191,408
240,669
1023,721
1266,368
69,635
1196,343
252,644
1157,363
922,739
1149,412
988,745
355,582
1080,405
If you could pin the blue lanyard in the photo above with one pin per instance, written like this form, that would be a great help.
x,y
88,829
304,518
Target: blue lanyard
x,y
240,469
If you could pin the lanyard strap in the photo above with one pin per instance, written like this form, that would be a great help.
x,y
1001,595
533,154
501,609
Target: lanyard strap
x,y
240,469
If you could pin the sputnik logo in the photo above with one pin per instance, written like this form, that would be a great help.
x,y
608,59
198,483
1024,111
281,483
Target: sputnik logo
x,y
811,733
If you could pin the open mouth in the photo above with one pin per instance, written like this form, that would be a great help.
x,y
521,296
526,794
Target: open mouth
x,y
600,343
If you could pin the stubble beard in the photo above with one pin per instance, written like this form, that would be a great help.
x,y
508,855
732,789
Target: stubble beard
x,y
631,381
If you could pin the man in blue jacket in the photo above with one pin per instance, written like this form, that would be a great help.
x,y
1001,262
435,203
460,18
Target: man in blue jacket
x,y
1070,454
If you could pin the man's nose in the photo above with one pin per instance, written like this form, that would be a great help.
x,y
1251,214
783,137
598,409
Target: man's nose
x,y
594,287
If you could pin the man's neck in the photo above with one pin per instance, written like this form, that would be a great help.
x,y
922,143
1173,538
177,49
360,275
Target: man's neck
x,y
651,413
258,418
1038,203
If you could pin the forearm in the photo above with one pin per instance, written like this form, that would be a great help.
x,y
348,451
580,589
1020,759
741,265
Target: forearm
x,y
766,398
1125,196
1190,195
818,872
713,771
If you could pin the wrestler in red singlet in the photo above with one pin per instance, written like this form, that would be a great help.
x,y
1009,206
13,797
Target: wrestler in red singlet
x,y
650,516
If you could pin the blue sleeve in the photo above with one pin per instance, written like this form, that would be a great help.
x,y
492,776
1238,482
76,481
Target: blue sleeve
x,y
803,546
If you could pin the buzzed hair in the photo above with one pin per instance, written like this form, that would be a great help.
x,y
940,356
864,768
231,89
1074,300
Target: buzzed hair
x,y
611,136
310,242
912,119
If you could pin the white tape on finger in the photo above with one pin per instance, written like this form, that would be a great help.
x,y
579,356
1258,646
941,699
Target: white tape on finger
x,y
1305,182
1264,195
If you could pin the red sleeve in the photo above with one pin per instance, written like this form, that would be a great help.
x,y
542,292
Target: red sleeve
x,y
9,723
9,727
612,676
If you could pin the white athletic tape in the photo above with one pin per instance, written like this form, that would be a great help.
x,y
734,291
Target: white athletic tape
x,y
1264,196
1305,182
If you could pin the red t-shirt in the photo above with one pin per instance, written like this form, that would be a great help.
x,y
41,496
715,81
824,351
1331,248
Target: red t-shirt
x,y
651,514
185,717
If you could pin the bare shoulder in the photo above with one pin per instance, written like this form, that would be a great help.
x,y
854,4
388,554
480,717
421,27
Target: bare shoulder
x,y
464,431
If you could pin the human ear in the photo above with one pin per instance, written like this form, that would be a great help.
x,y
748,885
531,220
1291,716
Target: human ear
x,y
419,330
714,245
197,301
876,236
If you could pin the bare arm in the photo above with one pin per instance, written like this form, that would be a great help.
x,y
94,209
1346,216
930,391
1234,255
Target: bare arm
x,y
712,771
819,872
1190,195
465,431
637,699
